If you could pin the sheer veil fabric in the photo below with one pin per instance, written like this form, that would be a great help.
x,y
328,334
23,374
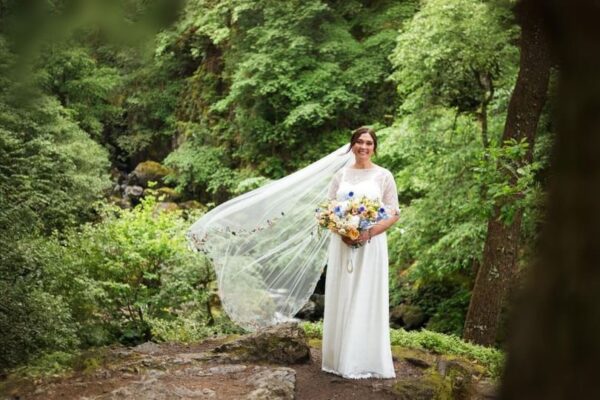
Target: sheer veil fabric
x,y
265,247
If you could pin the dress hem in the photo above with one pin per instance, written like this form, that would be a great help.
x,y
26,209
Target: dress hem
x,y
366,375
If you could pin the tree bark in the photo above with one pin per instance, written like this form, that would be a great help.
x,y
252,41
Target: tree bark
x,y
554,346
499,264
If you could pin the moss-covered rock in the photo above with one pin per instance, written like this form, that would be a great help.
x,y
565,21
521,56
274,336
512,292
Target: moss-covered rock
x,y
460,376
430,386
280,344
168,194
148,171
443,376
416,357
192,205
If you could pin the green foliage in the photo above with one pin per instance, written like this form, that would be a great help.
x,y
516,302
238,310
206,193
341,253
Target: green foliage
x,y
54,170
490,358
82,85
448,51
274,77
455,66
127,271
51,175
202,169
32,321
437,234
48,364
508,177
313,330
150,96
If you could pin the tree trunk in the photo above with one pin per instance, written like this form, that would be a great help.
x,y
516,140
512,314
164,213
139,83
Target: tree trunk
x,y
500,254
554,346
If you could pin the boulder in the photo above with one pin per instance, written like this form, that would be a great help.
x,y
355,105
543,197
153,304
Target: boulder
x,y
307,312
167,206
440,377
133,192
407,316
313,309
430,386
168,194
148,171
460,375
280,344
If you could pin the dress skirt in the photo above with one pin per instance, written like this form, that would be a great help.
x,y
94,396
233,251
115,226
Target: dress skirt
x,y
356,334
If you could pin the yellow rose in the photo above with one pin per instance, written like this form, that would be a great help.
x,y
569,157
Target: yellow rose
x,y
353,233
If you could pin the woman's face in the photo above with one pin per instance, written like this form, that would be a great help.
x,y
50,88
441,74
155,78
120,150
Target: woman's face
x,y
363,147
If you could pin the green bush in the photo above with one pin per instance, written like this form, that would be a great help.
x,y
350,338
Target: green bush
x,y
32,322
131,276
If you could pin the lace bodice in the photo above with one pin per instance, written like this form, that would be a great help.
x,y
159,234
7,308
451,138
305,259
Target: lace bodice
x,y
376,182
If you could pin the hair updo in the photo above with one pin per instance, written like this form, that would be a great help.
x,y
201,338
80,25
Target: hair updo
x,y
359,131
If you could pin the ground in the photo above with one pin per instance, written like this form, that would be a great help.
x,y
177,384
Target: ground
x,y
178,371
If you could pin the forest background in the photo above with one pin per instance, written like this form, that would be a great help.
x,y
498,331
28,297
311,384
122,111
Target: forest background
x,y
227,95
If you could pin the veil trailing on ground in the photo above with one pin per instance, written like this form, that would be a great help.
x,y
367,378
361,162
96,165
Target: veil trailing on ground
x,y
264,244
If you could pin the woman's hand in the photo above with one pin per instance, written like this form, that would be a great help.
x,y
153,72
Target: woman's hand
x,y
363,238
348,241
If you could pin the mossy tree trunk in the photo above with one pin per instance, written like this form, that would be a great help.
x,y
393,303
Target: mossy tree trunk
x,y
499,264
554,346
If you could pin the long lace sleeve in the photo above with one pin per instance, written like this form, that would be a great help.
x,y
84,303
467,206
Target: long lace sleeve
x,y
390,194
334,185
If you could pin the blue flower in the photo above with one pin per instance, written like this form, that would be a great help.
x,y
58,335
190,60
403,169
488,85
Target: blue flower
x,y
361,208
382,214
338,211
350,194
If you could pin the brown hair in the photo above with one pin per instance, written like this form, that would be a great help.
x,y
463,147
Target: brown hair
x,y
359,131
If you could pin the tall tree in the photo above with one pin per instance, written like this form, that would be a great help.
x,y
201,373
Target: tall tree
x,y
500,255
554,348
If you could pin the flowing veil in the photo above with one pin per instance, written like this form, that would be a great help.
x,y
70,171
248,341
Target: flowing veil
x,y
264,244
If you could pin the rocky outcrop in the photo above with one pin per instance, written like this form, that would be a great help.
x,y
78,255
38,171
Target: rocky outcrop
x,y
279,344
258,383
441,378
129,189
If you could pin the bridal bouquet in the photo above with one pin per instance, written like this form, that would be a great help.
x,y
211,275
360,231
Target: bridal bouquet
x,y
351,216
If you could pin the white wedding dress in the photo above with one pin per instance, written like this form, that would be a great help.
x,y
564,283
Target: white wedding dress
x,y
356,338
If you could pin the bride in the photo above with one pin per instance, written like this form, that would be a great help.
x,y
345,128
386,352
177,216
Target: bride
x,y
356,338
268,256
